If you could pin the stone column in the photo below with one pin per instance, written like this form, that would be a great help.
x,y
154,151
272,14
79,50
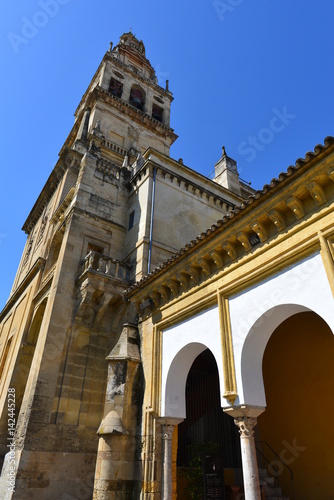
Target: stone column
x,y
168,425
245,417
248,456
167,477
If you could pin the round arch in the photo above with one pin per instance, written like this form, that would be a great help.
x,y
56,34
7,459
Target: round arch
x,y
254,347
173,396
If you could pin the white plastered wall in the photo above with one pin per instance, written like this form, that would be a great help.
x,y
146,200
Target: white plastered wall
x,y
257,312
181,344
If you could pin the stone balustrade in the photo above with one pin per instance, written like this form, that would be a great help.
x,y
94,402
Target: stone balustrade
x,y
106,266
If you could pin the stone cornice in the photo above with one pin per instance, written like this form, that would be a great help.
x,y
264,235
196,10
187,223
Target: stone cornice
x,y
37,266
212,190
183,183
133,112
295,196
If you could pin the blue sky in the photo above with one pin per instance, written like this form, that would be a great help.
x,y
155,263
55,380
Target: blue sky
x,y
253,75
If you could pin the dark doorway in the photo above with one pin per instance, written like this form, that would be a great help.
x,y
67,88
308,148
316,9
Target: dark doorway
x,y
207,430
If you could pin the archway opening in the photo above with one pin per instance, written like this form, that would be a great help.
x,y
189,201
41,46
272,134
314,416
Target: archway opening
x,y
299,379
206,433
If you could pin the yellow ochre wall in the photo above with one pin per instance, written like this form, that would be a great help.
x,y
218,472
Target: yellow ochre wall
x,y
298,370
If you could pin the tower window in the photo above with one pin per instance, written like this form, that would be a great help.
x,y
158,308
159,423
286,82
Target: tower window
x,y
131,219
116,87
137,97
157,112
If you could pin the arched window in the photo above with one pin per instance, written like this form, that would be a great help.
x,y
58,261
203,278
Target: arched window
x,y
137,97
116,87
157,112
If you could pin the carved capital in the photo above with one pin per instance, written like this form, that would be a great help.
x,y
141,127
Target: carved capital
x,y
246,425
167,432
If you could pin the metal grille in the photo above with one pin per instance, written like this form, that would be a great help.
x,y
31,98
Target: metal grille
x,y
206,426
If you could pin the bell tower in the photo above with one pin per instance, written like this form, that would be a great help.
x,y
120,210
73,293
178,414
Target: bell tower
x,y
125,104
115,207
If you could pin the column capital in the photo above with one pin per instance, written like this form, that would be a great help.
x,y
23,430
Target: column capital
x,y
168,425
246,425
167,431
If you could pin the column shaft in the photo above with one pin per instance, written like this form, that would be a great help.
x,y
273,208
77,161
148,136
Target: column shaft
x,y
248,455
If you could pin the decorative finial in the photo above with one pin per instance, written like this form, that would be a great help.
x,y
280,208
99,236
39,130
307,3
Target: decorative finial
x,y
167,84
110,46
131,31
223,151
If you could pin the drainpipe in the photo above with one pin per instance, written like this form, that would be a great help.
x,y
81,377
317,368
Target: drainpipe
x,y
151,222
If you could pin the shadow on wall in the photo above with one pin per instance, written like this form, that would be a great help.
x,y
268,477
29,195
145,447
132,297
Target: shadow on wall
x,y
299,381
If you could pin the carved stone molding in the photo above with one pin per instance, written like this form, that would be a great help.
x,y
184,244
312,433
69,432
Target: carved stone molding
x,y
277,219
167,432
205,265
317,192
184,279
246,426
155,296
164,292
243,238
296,206
194,273
217,258
173,286
230,250
260,230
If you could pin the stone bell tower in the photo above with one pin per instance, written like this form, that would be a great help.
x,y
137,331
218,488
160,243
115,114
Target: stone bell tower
x,y
115,206
124,103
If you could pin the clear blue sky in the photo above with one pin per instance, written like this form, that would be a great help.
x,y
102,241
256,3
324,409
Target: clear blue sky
x,y
254,75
